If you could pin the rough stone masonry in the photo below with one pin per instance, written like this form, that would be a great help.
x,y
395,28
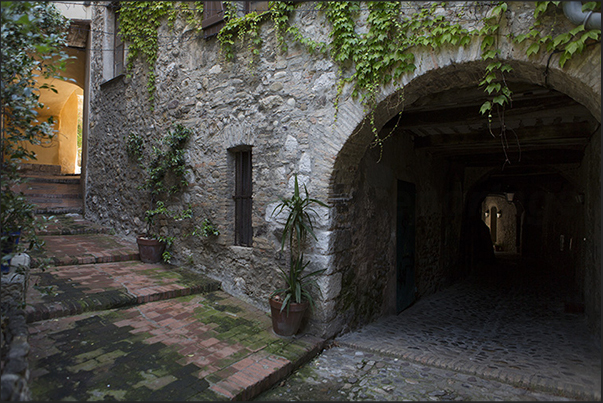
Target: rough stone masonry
x,y
281,107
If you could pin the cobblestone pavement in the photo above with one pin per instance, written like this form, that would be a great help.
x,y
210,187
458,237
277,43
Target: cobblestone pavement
x,y
346,374
502,336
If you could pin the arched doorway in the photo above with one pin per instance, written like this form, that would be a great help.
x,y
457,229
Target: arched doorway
x,y
64,101
442,145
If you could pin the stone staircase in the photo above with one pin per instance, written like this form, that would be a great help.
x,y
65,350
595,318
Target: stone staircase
x,y
176,335
106,268
51,191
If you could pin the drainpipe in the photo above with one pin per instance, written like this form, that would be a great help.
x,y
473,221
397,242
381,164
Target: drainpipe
x,y
573,12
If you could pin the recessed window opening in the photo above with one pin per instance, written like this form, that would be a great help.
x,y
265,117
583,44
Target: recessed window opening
x,y
118,47
242,197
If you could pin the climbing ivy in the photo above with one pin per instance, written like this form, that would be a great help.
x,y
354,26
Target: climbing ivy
x,y
386,51
165,168
382,52
246,28
139,22
494,82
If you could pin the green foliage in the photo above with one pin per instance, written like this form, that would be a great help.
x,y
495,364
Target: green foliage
x,y
541,38
165,179
139,22
297,227
246,28
135,147
33,38
567,43
383,54
298,284
167,169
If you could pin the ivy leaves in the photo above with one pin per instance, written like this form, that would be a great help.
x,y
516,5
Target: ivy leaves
x,y
139,22
246,28
567,43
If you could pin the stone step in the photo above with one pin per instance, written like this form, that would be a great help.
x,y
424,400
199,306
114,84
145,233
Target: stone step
x,y
85,249
58,206
39,169
53,194
69,179
74,289
69,224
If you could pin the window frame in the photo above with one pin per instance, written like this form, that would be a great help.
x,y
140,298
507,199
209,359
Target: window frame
x,y
243,197
214,14
118,45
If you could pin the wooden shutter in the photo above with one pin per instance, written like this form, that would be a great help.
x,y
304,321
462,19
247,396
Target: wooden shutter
x,y
243,191
213,18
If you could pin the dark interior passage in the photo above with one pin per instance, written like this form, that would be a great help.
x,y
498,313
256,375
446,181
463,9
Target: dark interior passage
x,y
507,322
520,214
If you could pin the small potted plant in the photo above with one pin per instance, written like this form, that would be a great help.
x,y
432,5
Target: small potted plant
x,y
289,304
166,178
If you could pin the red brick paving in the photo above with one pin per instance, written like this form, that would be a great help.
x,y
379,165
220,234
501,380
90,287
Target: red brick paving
x,y
238,366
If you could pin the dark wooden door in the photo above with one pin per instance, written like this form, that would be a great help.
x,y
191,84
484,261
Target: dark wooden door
x,y
405,245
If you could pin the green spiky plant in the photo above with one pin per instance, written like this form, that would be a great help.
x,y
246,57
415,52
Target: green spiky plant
x,y
297,227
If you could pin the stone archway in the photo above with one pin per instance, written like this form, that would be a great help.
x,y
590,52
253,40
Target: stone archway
x,y
362,186
64,102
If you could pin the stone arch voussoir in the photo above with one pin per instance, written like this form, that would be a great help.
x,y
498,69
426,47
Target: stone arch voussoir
x,y
455,68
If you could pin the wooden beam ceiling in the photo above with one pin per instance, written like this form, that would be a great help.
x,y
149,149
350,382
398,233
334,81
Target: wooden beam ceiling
x,y
542,127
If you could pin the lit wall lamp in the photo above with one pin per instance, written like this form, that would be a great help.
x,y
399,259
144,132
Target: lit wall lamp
x,y
509,196
499,213
487,213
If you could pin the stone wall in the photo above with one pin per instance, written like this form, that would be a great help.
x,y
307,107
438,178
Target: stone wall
x,y
590,256
281,105
364,243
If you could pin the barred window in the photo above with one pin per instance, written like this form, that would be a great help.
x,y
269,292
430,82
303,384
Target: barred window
x,y
242,197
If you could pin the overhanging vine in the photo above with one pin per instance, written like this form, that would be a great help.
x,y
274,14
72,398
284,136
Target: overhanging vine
x,y
139,22
384,51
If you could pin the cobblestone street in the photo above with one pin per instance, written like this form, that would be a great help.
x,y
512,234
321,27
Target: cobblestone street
x,y
503,336
346,374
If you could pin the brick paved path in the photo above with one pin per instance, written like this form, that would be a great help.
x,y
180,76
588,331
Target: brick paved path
x,y
114,328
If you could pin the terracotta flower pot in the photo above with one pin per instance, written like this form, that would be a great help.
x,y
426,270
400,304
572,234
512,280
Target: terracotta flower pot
x,y
151,250
287,324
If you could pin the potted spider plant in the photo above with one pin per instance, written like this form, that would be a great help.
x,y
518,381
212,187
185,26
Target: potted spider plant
x,y
289,303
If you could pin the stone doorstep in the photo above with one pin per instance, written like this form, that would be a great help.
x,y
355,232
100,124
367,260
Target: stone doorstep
x,y
247,382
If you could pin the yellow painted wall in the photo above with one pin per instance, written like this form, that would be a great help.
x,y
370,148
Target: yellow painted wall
x,y
47,153
63,148
67,152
